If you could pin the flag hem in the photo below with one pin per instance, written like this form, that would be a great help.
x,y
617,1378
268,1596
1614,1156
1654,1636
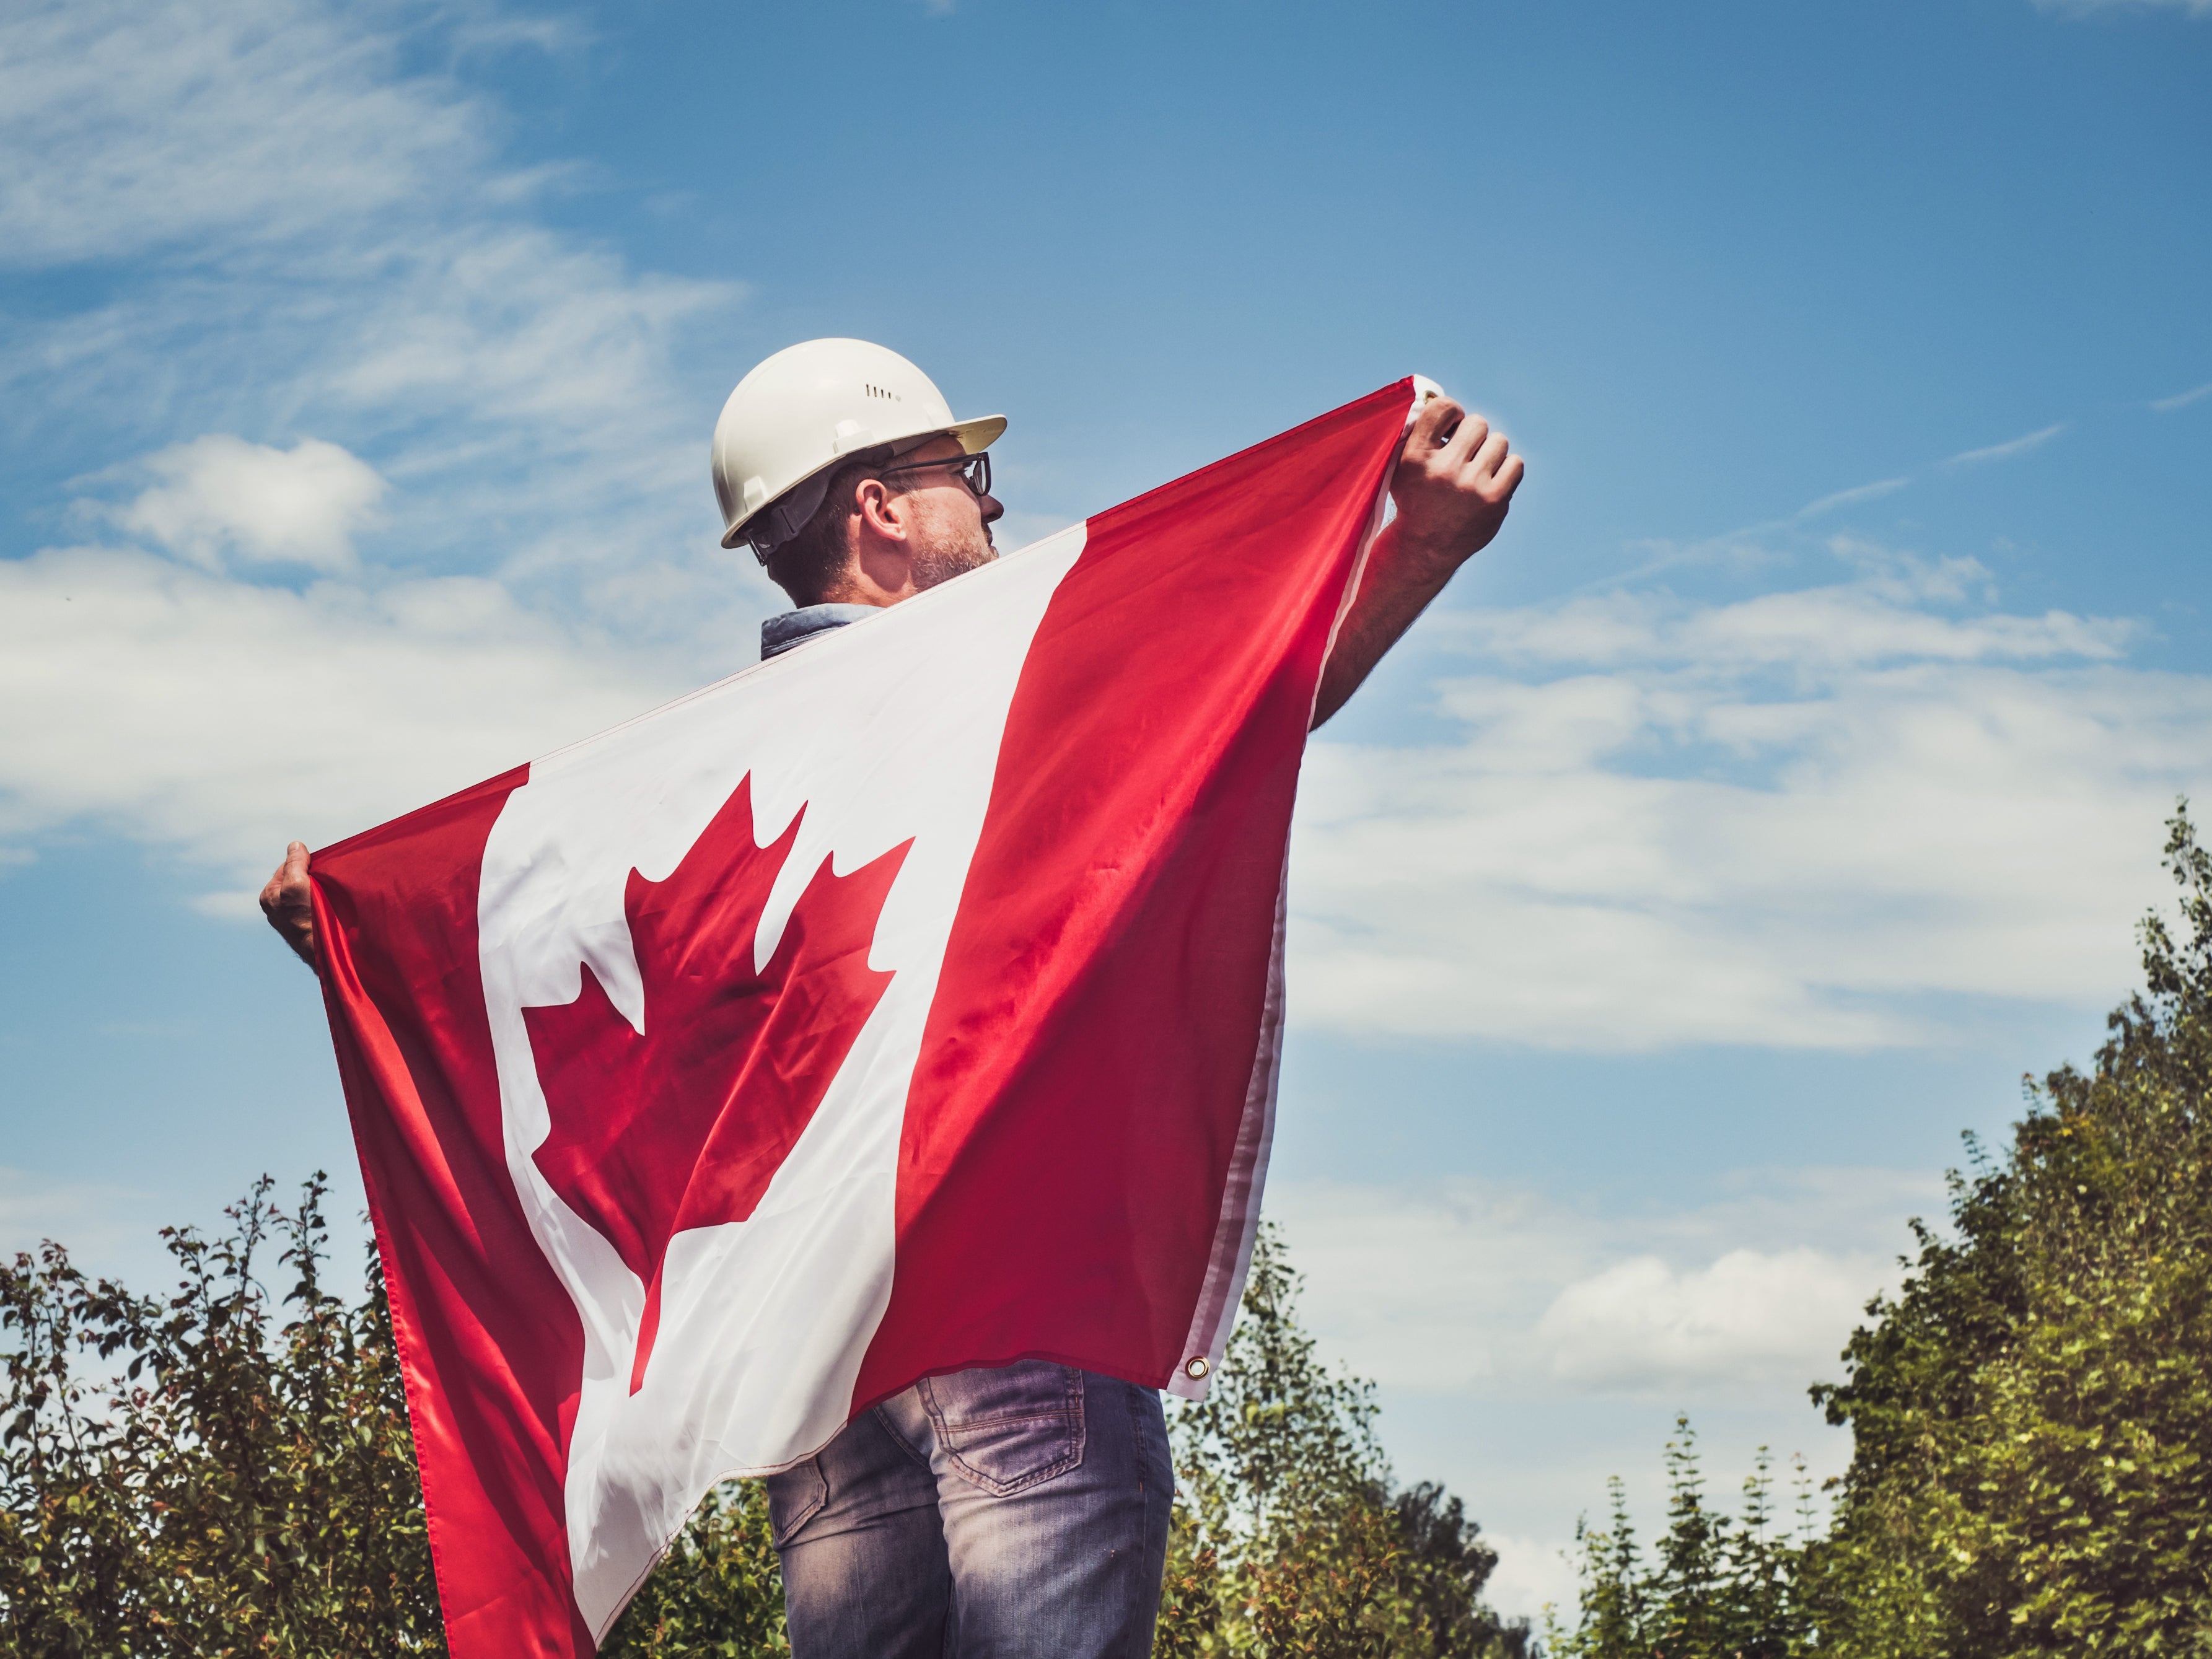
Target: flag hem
x,y
1222,1290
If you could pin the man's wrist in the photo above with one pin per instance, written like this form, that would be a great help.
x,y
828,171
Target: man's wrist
x,y
1432,551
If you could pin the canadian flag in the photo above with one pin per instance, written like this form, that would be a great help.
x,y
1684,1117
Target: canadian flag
x,y
910,1002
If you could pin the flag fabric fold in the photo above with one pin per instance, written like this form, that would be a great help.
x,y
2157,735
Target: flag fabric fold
x,y
910,1002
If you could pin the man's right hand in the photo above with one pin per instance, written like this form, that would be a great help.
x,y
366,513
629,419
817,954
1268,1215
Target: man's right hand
x,y
287,904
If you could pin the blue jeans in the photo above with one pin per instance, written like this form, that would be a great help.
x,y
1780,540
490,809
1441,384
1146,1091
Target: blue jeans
x,y
1020,1511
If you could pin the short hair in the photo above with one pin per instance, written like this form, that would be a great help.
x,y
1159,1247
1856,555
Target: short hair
x,y
804,566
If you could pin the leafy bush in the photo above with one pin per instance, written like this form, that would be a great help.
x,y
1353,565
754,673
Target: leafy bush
x,y
239,1488
245,1486
2030,1413
245,1483
1289,1538
717,1593
1720,1587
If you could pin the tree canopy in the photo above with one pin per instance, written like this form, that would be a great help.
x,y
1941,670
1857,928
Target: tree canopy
x,y
2030,1413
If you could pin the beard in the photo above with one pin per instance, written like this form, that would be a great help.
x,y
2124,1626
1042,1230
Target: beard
x,y
942,556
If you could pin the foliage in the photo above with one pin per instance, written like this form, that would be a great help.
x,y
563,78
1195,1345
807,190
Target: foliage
x,y
1721,1588
2031,1412
237,1488
717,1593
245,1483
245,1486
1289,1538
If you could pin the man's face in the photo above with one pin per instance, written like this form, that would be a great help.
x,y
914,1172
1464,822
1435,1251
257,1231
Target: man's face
x,y
951,523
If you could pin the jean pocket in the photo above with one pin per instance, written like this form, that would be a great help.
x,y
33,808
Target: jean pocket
x,y
794,1497
1008,1428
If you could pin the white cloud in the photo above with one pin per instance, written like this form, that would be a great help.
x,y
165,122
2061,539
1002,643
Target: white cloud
x,y
1531,1575
90,1220
1749,1316
131,127
1788,821
1857,493
1889,612
1473,1287
1490,1314
2006,451
221,495
2182,399
170,705
2086,7
296,229
299,231
514,325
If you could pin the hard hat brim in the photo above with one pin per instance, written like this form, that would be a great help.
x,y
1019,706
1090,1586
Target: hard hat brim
x,y
979,434
975,436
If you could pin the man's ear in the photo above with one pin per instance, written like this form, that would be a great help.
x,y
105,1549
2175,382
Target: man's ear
x,y
881,512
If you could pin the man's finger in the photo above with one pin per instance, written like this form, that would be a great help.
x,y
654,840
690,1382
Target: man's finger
x,y
1491,455
1509,477
1474,432
1434,419
288,888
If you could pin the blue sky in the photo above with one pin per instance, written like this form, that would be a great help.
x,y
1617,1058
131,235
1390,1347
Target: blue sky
x,y
1781,786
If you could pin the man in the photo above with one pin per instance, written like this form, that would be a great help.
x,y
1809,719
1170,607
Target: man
x,y
1020,1509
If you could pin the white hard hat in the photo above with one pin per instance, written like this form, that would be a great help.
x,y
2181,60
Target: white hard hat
x,y
800,413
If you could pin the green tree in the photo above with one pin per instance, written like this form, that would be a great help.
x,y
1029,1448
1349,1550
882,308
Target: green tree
x,y
246,1482
1721,1587
2030,1413
717,1593
239,1488
1289,1537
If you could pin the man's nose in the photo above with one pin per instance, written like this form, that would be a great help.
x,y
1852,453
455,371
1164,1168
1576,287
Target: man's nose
x,y
991,510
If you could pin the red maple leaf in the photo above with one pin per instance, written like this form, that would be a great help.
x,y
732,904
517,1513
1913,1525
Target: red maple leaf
x,y
682,1125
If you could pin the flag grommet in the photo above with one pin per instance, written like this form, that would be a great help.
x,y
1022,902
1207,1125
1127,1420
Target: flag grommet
x,y
1195,1367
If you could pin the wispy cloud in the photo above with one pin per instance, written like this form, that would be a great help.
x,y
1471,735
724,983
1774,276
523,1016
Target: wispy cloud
x,y
1865,492
94,1221
220,497
1473,1286
1746,545
401,464
206,132
1749,1314
2087,7
1786,822
1474,1300
173,705
299,236
2181,400
2006,451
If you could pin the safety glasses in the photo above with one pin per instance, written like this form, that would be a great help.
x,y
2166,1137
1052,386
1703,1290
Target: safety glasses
x,y
974,470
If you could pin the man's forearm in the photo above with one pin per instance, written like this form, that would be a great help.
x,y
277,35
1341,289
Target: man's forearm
x,y
1395,587
1454,480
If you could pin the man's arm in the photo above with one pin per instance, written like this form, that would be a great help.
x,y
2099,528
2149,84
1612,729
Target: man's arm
x,y
287,904
1452,488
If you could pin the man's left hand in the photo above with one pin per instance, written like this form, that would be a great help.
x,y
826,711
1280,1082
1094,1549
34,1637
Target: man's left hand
x,y
1455,478
1454,481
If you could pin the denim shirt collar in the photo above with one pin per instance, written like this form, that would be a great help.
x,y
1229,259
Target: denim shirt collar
x,y
794,628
